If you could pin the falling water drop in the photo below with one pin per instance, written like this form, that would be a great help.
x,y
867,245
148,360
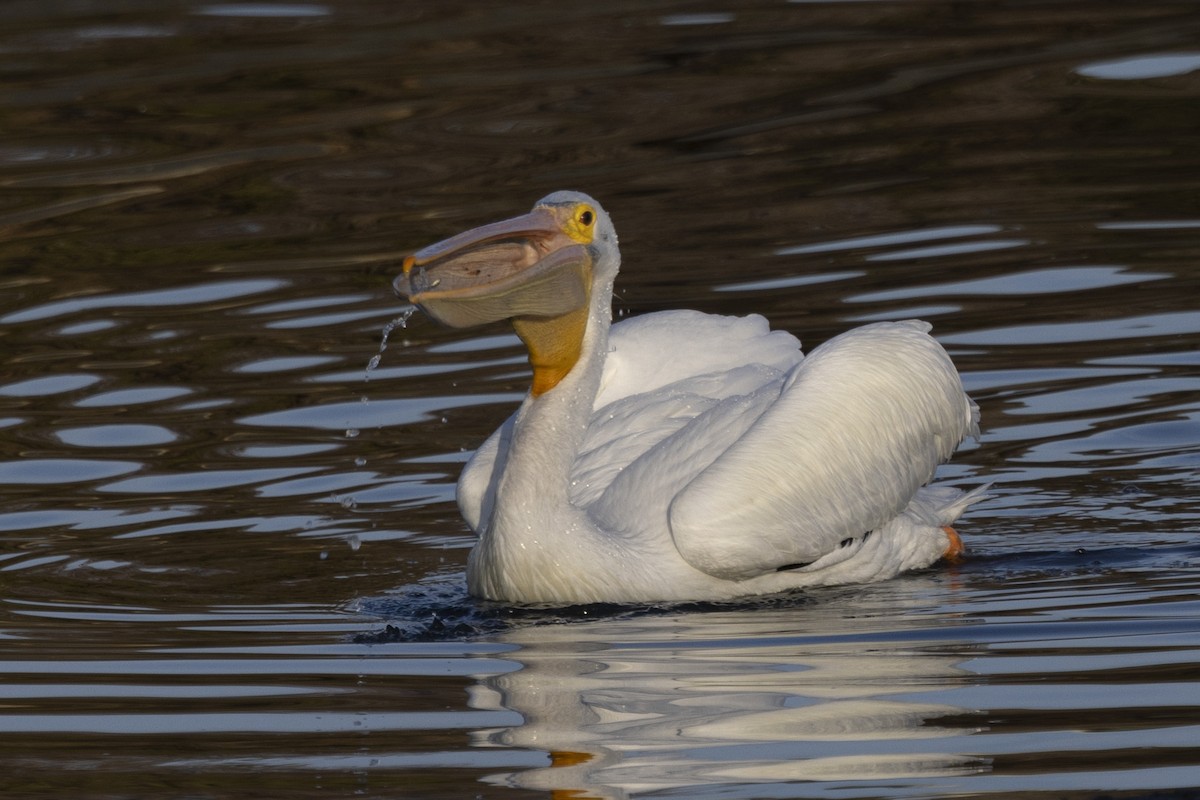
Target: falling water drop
x,y
399,322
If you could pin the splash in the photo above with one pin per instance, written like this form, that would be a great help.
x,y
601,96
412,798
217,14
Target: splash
x,y
399,322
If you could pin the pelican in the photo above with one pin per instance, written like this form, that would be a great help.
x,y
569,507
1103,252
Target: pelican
x,y
680,455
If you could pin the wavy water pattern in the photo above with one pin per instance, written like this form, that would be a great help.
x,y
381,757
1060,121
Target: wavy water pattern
x,y
231,564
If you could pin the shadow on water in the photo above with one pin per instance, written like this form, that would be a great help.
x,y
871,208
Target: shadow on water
x,y
439,609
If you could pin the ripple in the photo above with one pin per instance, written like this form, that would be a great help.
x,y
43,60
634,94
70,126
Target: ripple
x,y
1175,441
133,397
91,519
288,524
715,18
958,249
1169,324
789,282
322,320
52,471
116,436
418,370
890,239
1151,225
477,344
27,216
320,484
284,450
288,364
1038,281
307,303
264,10
1158,437
81,328
51,385
107,32
410,491
169,167
201,481
33,563
908,312
375,414
17,153
1120,395
178,296
204,405
1139,68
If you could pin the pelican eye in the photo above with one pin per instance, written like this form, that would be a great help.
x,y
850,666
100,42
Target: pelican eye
x,y
580,226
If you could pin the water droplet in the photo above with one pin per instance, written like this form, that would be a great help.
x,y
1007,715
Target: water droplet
x,y
360,461
399,322
351,433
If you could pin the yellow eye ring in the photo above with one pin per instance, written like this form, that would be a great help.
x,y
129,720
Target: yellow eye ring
x,y
581,224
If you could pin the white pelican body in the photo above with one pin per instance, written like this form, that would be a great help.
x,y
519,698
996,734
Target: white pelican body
x,y
687,456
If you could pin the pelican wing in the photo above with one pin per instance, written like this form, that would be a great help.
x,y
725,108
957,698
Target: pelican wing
x,y
667,378
662,370
855,430
651,352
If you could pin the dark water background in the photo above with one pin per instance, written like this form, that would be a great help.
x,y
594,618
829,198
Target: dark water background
x,y
208,517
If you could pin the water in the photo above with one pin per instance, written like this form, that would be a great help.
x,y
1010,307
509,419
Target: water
x,y
223,574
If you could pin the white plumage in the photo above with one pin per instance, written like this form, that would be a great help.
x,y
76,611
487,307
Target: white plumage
x,y
687,456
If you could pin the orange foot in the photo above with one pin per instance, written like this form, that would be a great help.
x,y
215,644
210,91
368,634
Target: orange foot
x,y
955,548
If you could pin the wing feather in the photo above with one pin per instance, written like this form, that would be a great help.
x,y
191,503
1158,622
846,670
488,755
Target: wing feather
x,y
860,425
653,351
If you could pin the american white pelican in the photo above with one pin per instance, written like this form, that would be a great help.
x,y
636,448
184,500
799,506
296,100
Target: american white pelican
x,y
681,455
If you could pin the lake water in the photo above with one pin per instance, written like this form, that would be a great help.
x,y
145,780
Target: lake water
x,y
230,566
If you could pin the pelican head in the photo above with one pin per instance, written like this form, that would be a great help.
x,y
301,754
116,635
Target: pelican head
x,y
538,270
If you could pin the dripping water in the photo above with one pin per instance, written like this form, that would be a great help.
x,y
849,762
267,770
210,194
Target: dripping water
x,y
399,322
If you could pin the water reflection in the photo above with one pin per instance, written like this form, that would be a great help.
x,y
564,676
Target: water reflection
x,y
910,689
680,702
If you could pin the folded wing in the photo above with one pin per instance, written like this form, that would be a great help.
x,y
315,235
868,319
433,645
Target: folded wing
x,y
857,428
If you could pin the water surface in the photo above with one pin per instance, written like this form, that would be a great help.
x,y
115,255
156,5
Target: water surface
x,y
231,566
